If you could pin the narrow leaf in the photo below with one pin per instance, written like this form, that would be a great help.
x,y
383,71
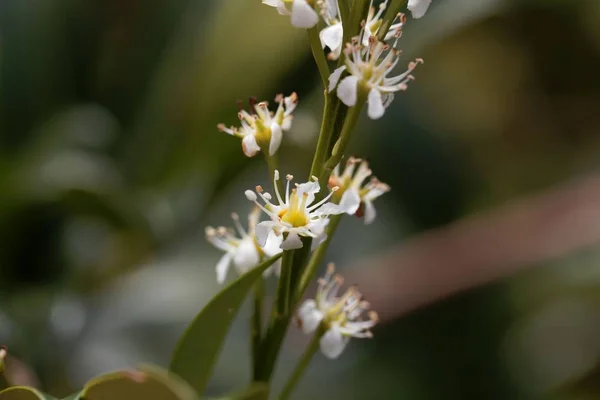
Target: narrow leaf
x,y
201,343
23,393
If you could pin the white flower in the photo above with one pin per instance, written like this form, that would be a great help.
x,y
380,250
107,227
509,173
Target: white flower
x,y
332,36
294,215
341,315
355,196
262,129
243,251
374,22
418,8
303,15
369,67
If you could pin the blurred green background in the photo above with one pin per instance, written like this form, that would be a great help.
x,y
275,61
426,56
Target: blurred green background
x,y
111,166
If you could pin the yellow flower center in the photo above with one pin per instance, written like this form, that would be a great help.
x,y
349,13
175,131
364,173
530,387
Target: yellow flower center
x,y
295,214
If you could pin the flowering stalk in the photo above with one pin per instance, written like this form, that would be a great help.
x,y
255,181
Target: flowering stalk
x,y
302,218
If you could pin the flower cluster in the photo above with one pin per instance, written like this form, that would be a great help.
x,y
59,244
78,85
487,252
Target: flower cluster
x,y
340,314
294,215
262,129
355,196
369,68
298,213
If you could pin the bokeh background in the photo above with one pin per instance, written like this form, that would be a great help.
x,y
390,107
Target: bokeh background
x,y
111,166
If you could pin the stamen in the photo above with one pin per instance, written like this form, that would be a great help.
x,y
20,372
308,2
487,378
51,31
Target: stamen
x,y
276,186
238,226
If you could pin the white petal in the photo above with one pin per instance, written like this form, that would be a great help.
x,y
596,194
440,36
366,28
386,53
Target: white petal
x,y
376,108
272,3
310,316
329,209
317,227
262,232
303,15
333,342
246,256
335,77
292,241
350,201
347,91
332,8
222,267
275,138
249,146
273,244
370,212
287,123
418,7
332,36
317,241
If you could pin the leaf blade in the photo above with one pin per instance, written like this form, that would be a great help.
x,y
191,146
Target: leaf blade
x,y
23,393
198,348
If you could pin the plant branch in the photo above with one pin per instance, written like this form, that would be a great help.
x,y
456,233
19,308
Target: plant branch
x,y
319,55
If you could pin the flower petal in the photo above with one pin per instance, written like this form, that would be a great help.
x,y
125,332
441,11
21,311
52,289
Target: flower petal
x,y
418,8
249,146
370,212
350,201
262,232
335,77
275,138
292,241
376,108
273,244
246,256
347,90
317,227
303,15
332,37
310,316
333,342
223,266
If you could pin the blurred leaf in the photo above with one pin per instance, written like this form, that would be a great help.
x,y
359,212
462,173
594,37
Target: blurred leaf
x,y
74,396
145,382
23,393
199,346
256,391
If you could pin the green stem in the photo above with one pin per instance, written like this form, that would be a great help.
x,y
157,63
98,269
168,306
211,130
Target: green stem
x,y
390,14
256,323
317,257
321,153
319,55
340,146
306,358
282,300
273,165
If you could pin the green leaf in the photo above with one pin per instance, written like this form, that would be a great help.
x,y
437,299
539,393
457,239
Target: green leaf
x,y
145,382
199,346
256,391
74,396
23,393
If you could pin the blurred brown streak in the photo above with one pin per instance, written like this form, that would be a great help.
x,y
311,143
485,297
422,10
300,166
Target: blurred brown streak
x,y
482,248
